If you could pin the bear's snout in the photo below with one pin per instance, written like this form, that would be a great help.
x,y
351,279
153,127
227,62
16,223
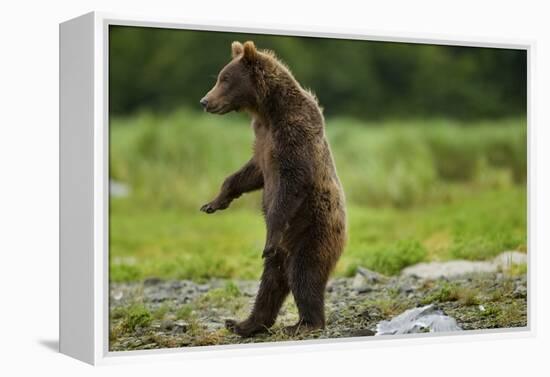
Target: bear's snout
x,y
204,103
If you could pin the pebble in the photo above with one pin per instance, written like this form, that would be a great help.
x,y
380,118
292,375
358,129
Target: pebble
x,y
167,325
365,279
370,276
520,291
180,327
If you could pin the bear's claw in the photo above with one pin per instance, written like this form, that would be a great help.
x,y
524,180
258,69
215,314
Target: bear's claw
x,y
207,208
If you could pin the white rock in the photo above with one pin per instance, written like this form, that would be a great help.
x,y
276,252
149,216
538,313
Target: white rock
x,y
418,320
509,258
118,189
117,295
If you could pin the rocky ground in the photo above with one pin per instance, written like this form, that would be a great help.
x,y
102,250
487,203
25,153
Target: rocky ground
x,y
160,314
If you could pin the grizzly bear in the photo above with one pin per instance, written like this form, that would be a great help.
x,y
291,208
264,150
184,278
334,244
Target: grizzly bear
x,y
303,201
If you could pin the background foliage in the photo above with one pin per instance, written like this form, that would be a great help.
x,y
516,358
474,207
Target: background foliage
x,y
163,69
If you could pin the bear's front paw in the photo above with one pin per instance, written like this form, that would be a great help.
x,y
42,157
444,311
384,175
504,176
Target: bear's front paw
x,y
215,205
208,208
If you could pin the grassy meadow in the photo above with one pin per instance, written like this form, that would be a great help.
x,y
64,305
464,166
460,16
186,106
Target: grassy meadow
x,y
416,191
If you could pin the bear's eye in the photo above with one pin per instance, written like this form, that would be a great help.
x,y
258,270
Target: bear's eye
x,y
224,78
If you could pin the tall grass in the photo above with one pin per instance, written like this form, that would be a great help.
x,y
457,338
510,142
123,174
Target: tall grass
x,y
179,160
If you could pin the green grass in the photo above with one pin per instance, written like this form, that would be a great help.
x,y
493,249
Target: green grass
x,y
185,312
416,191
228,244
133,316
476,227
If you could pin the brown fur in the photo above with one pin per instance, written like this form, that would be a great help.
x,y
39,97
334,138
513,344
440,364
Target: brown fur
x,y
303,201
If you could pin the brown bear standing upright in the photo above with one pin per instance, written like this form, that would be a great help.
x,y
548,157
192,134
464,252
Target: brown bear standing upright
x,y
303,201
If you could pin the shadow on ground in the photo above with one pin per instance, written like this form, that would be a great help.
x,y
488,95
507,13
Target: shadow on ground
x,y
51,344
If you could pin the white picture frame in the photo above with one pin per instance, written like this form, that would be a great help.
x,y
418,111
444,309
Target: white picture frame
x,y
84,190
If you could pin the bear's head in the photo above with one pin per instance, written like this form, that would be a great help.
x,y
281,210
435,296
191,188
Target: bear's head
x,y
237,87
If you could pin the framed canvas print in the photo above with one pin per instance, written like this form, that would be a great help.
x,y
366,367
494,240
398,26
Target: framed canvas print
x,y
243,190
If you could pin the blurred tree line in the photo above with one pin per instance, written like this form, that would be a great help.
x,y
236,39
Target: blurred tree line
x,y
162,69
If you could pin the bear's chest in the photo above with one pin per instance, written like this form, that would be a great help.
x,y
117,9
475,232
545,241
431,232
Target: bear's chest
x,y
263,155
263,147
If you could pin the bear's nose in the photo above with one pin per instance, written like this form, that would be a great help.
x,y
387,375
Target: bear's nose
x,y
204,103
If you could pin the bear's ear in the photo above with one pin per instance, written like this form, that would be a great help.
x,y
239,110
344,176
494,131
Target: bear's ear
x,y
249,52
236,49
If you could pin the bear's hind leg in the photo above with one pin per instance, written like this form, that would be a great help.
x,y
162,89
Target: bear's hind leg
x,y
271,295
308,278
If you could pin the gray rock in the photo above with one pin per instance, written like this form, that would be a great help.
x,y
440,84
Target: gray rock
x,y
176,284
159,296
371,313
406,289
333,317
365,279
520,291
436,270
451,269
167,325
370,276
364,289
203,287
180,327
117,295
